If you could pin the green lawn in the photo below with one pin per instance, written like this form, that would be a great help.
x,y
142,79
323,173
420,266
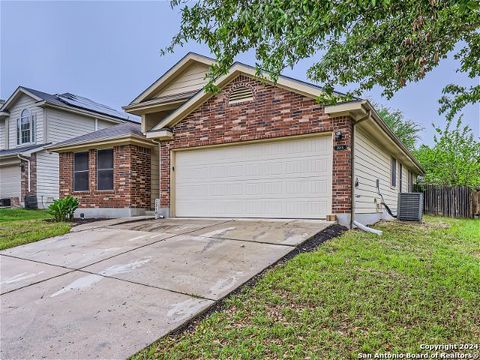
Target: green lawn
x,y
358,293
20,226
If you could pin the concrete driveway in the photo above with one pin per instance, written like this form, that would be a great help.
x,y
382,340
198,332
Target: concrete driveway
x,y
108,289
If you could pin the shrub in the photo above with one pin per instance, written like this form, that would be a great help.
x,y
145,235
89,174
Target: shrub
x,y
63,209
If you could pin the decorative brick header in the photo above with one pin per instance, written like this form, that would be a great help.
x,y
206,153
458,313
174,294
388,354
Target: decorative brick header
x,y
131,179
274,112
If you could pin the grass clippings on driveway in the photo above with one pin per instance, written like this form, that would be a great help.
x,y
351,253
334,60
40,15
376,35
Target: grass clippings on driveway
x,y
20,226
358,293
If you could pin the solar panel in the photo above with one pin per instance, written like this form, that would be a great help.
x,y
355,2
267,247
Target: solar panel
x,y
85,103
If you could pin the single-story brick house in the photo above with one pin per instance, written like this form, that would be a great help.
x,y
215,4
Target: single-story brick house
x,y
254,149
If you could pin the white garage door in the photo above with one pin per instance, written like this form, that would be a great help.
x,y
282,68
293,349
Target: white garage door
x,y
276,179
10,181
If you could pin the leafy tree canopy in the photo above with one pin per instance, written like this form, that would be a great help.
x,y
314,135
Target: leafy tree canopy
x,y
454,159
365,42
406,130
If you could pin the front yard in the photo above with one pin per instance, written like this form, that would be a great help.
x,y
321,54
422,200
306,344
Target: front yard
x,y
359,293
20,226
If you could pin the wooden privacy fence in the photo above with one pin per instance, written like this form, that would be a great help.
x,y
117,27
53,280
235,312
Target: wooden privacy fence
x,y
452,201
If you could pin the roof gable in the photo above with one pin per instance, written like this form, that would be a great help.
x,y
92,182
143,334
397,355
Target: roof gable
x,y
17,94
237,69
185,76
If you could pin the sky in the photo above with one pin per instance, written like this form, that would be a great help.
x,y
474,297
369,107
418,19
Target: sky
x,y
110,52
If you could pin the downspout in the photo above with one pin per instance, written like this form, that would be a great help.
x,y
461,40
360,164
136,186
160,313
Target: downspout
x,y
157,213
28,169
369,113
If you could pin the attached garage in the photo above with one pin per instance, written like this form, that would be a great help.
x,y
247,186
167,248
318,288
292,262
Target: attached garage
x,y
285,178
255,148
10,181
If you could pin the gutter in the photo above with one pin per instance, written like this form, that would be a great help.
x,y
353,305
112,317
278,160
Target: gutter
x,y
77,110
101,142
360,108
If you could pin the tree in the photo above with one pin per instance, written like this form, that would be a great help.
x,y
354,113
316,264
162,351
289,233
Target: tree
x,y
454,159
365,42
406,130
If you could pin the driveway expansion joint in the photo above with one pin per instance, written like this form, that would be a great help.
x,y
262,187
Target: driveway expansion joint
x,y
147,285
247,241
72,269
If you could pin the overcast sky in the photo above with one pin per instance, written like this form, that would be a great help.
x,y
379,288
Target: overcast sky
x,y
109,51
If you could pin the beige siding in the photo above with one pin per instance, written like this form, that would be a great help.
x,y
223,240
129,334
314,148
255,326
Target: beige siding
x,y
47,178
155,172
25,102
102,124
193,78
372,162
405,179
3,134
10,181
64,125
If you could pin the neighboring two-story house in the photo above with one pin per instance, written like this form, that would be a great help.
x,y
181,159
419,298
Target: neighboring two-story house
x,y
31,120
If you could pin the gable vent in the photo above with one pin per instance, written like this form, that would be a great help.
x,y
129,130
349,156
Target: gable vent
x,y
240,94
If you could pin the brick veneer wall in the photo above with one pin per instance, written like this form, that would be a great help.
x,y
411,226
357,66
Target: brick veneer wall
x,y
24,177
274,112
131,179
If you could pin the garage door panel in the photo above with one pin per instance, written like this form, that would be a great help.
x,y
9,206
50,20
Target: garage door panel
x,y
258,208
303,187
10,181
286,179
257,170
306,187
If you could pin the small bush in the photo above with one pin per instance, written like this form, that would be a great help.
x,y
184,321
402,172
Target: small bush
x,y
63,209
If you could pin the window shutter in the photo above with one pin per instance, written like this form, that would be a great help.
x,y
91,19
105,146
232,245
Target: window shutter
x,y
33,128
18,131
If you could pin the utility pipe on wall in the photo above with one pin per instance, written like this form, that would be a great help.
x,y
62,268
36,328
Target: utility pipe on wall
x,y
367,229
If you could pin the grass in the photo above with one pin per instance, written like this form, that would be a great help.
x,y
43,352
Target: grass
x,y
20,226
358,293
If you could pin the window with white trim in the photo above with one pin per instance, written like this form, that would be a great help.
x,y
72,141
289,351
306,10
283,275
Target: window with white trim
x,y
26,128
105,169
80,172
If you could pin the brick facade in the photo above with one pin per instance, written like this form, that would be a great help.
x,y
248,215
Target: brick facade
x,y
24,177
273,112
131,179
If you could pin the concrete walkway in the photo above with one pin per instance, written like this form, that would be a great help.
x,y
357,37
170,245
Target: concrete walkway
x,y
109,289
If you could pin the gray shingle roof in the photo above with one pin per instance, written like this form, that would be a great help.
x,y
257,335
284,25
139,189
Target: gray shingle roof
x,y
114,132
74,101
22,149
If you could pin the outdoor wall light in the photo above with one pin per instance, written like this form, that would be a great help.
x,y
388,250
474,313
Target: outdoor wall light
x,y
338,135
